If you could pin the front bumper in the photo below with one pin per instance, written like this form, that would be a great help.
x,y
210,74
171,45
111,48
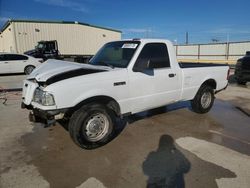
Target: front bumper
x,y
46,117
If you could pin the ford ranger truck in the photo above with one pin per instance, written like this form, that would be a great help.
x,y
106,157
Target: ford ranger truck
x,y
124,77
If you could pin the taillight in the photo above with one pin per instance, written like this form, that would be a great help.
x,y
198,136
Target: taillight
x,y
228,73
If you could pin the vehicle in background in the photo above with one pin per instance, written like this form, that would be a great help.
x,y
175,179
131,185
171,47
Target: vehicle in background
x,y
49,50
17,63
123,78
45,50
242,69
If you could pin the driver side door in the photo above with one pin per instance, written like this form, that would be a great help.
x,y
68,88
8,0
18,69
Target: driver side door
x,y
156,86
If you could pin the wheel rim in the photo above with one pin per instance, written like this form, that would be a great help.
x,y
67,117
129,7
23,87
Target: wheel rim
x,y
29,69
96,127
206,99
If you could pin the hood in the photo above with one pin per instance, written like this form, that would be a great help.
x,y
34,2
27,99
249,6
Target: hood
x,y
52,71
31,52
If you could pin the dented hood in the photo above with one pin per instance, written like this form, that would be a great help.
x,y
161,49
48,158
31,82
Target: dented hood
x,y
56,70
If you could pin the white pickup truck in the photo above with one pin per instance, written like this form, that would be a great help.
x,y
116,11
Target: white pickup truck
x,y
123,78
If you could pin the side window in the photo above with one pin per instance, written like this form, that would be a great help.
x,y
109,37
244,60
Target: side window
x,y
49,47
21,57
157,53
15,57
8,57
1,57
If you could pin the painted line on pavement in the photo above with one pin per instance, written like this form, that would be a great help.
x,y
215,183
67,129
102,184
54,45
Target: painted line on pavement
x,y
221,156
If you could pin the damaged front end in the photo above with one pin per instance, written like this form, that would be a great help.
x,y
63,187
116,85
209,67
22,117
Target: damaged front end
x,y
41,103
39,93
48,118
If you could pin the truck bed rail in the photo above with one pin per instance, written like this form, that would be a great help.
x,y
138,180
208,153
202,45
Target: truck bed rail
x,y
196,65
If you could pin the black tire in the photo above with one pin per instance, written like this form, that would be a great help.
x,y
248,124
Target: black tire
x,y
28,69
198,104
85,121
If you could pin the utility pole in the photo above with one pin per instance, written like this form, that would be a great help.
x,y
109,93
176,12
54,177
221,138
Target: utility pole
x,y
186,37
228,45
227,37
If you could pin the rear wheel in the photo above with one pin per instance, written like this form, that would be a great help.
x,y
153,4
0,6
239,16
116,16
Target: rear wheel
x,y
203,100
28,69
92,126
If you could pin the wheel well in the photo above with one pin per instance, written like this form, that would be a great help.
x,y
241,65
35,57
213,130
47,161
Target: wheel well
x,y
105,100
210,82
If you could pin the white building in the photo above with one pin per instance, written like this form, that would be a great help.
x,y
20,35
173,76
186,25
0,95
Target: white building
x,y
72,37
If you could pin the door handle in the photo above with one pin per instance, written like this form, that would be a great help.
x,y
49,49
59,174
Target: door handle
x,y
6,62
171,75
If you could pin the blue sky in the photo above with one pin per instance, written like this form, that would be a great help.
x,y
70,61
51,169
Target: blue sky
x,y
203,20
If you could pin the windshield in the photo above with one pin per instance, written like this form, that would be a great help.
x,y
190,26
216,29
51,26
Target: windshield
x,y
115,54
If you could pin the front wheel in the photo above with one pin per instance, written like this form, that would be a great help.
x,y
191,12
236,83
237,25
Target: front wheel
x,y
92,126
203,100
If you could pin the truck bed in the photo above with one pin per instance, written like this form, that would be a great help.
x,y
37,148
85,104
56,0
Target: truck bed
x,y
196,65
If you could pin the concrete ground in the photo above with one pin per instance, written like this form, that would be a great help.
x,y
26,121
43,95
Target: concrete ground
x,y
12,81
170,146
